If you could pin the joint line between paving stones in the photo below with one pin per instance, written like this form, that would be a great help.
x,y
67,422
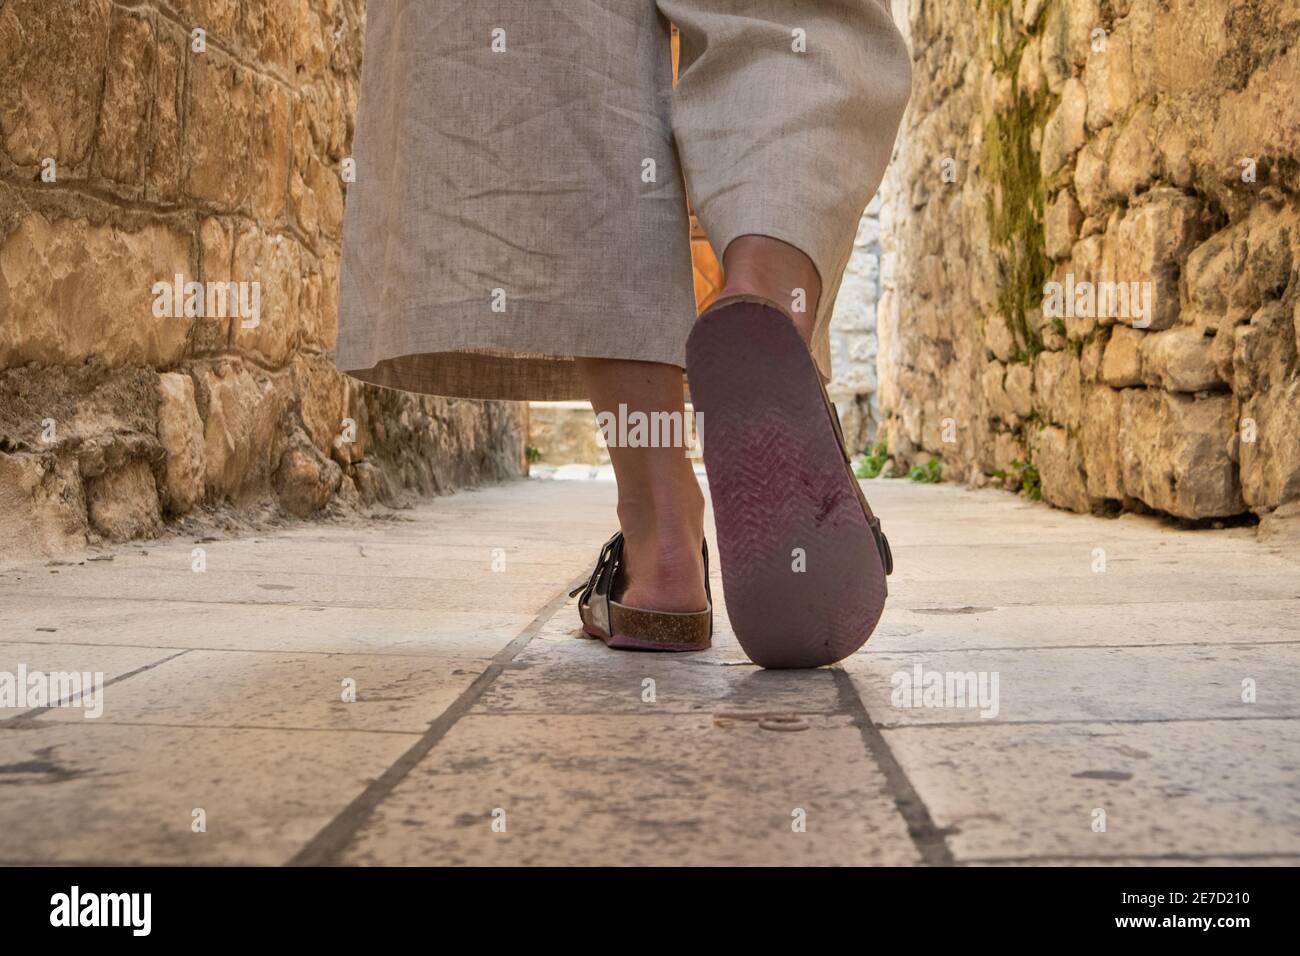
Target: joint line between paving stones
x,y
29,716
326,846
926,836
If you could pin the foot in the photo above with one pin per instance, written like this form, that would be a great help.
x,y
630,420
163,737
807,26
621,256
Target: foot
x,y
663,567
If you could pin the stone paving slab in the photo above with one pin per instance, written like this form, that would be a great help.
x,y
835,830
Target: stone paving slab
x,y
98,792
426,592
625,790
576,677
1114,625
19,659
387,693
1104,683
1196,788
301,628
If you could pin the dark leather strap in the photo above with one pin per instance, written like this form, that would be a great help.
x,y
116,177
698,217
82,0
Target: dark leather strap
x,y
882,543
610,562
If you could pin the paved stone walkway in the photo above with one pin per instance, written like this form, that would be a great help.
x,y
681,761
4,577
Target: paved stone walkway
x,y
225,738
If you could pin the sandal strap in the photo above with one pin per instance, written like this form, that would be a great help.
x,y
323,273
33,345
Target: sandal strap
x,y
610,562
606,565
882,543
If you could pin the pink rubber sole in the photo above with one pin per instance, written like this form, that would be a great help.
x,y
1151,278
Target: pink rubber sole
x,y
804,580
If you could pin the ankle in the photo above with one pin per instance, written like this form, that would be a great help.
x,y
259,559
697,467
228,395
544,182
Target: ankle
x,y
670,521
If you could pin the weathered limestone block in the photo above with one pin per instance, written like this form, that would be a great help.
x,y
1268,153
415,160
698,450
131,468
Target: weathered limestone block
x,y
1174,146
1212,268
216,246
319,307
996,403
269,148
305,479
1062,225
42,505
1054,53
218,130
1090,358
218,18
275,263
123,503
242,440
1268,256
1264,352
53,56
1255,118
1064,134
1083,17
1058,388
180,430
1281,527
1180,360
73,289
268,30
302,200
128,92
1175,453
165,157
1091,174
1060,468
1109,79
1031,81
1121,365
312,38
1008,447
1100,443
998,338
1270,464
1134,162
319,389
1020,388
1152,241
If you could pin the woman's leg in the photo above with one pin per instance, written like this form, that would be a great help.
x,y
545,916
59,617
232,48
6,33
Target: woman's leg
x,y
660,505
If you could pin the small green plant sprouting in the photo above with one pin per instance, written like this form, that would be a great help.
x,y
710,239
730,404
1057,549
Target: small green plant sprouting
x,y
534,455
930,473
1030,484
871,464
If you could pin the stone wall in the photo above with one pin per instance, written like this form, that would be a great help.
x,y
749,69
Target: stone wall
x,y
206,139
853,336
1087,143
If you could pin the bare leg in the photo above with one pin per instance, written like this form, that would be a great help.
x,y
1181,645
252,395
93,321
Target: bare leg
x,y
660,505
772,269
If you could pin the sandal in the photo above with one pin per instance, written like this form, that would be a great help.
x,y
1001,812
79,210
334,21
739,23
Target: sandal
x,y
634,629
804,559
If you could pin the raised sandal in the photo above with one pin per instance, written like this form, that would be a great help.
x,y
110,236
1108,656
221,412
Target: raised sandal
x,y
636,629
803,557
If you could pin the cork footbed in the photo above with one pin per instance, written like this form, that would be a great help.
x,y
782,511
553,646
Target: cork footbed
x,y
630,628
635,629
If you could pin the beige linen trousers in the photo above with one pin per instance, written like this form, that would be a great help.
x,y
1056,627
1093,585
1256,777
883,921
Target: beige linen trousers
x,y
522,171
